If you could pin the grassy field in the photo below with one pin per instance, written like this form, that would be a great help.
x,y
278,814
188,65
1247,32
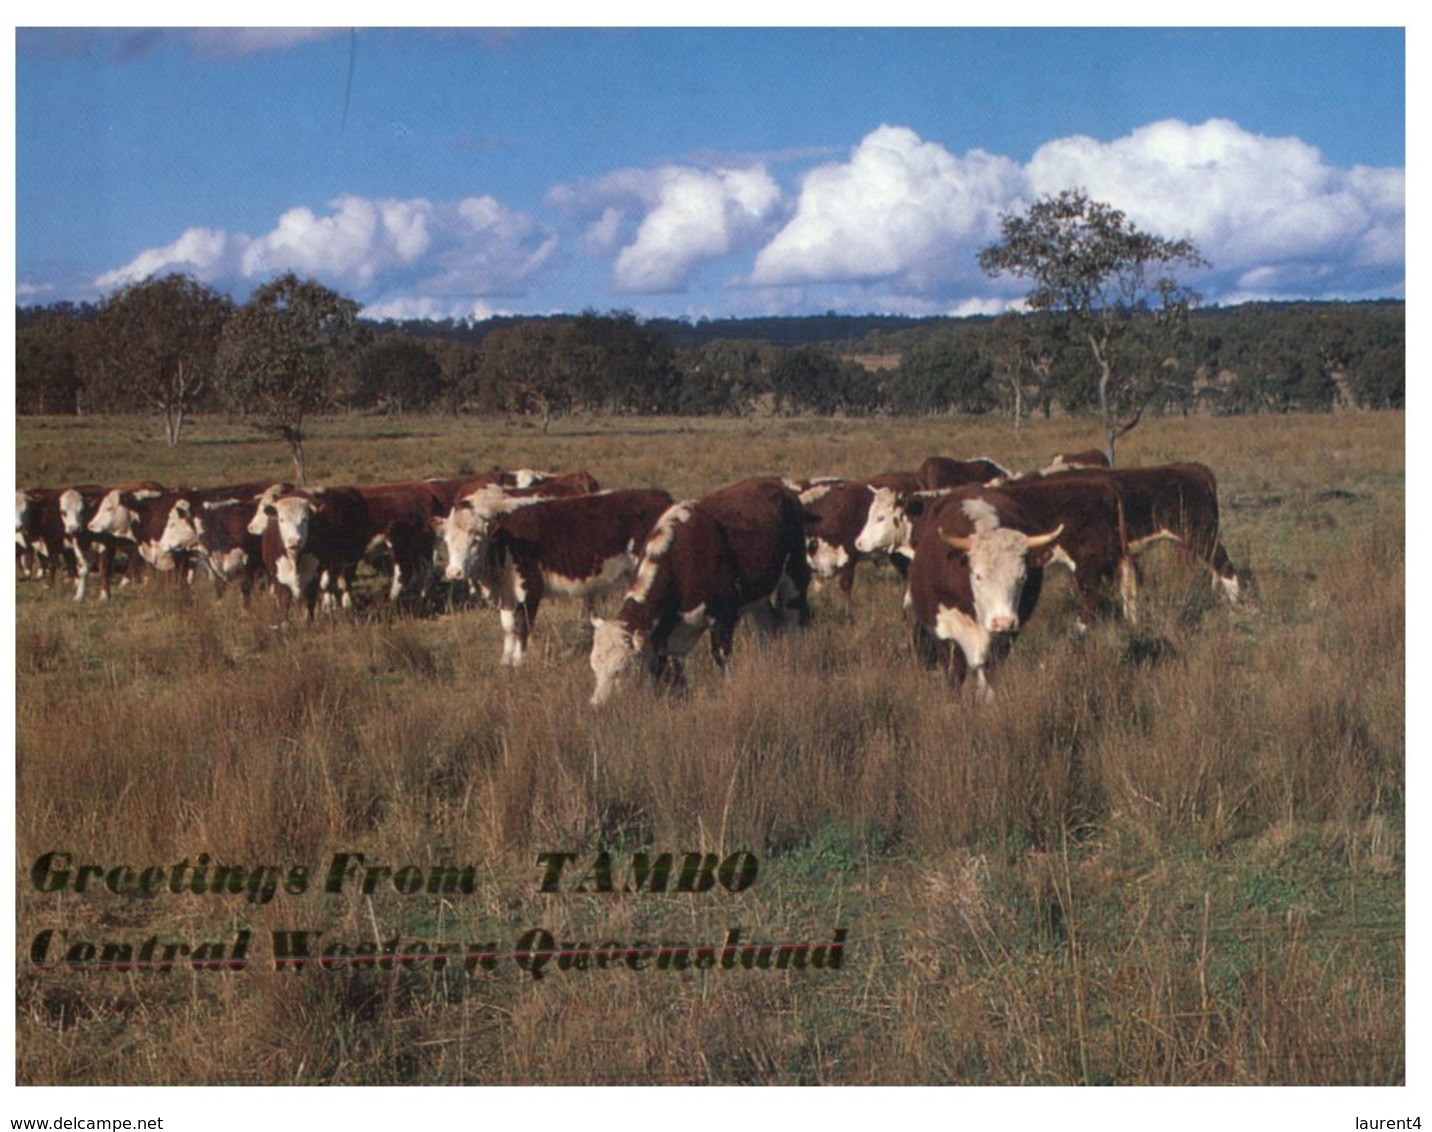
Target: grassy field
x,y
1163,855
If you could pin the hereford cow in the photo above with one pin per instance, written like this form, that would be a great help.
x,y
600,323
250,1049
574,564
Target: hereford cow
x,y
705,564
835,515
978,565
944,471
214,527
326,532
1172,502
49,526
581,545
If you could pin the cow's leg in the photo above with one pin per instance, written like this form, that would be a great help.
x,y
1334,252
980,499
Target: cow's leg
x,y
791,605
105,563
723,633
82,569
513,639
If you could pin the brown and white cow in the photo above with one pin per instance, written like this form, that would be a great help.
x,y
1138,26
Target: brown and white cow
x,y
214,528
1171,502
979,560
137,518
578,545
326,532
704,565
835,515
945,471
49,526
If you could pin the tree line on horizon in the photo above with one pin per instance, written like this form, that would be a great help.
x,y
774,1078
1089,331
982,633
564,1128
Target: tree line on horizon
x,y
1256,357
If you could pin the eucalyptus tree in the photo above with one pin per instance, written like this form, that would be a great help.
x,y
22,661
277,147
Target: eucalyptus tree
x,y
154,345
280,354
1113,282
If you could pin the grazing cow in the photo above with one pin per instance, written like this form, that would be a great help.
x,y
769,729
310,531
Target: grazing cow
x,y
835,515
704,564
1173,502
944,471
581,545
978,565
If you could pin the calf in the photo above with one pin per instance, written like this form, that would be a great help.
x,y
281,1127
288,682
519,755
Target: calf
x,y
704,564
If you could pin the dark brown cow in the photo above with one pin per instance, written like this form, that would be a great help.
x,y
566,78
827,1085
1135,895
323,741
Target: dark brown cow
x,y
214,527
705,564
945,471
50,526
579,545
978,565
1173,502
324,534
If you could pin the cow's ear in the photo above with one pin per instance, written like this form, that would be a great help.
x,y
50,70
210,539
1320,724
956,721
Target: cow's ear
x,y
270,510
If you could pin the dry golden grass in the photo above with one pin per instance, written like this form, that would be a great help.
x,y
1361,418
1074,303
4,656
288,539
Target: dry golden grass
x,y
1170,854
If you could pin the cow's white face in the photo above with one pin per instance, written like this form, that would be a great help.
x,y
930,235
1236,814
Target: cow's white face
x,y
999,560
72,508
112,517
998,568
294,516
463,535
182,530
886,526
615,654
259,523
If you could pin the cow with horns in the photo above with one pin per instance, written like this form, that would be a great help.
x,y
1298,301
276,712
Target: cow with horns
x,y
706,563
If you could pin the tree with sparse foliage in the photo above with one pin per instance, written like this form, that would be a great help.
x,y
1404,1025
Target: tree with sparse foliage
x,y
1091,264
280,352
154,346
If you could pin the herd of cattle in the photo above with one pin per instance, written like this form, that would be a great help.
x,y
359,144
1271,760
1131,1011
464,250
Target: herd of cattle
x,y
971,539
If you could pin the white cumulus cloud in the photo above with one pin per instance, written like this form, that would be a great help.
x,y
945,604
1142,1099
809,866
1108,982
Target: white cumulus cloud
x,y
358,241
378,250
1261,208
200,252
900,208
688,217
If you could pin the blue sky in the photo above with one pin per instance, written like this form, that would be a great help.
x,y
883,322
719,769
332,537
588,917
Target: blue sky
x,y
696,172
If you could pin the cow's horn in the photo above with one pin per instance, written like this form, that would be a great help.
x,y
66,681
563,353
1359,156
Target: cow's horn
x,y
961,544
1036,541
